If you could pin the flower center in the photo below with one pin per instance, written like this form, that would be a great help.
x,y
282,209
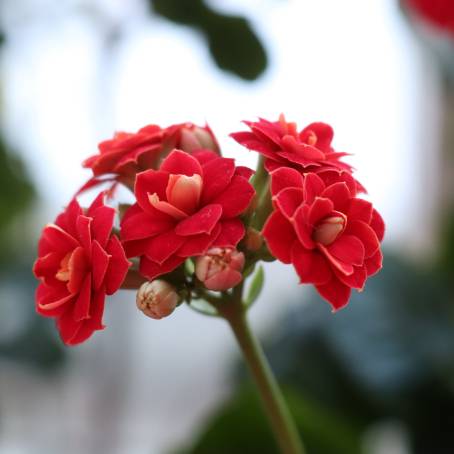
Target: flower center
x,y
328,230
64,273
183,192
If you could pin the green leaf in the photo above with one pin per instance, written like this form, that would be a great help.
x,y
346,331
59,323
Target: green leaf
x,y
256,286
189,267
203,307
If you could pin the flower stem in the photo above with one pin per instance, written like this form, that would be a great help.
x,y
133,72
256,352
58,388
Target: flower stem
x,y
273,401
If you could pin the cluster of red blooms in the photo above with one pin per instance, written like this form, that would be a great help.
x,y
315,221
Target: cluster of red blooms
x,y
194,222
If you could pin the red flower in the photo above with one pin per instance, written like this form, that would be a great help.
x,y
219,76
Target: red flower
x,y
331,237
79,262
309,150
129,153
186,207
439,13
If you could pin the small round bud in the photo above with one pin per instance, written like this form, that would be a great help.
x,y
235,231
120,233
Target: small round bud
x,y
253,240
220,269
157,299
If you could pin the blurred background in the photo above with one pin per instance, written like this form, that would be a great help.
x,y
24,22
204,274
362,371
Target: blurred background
x,y
376,378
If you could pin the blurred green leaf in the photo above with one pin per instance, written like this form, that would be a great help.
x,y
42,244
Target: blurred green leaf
x,y
240,427
232,42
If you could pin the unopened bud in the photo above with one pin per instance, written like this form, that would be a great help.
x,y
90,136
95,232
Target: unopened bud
x,y
253,240
157,299
220,268
195,138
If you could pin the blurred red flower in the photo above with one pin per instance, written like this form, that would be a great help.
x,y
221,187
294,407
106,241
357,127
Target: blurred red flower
x,y
331,237
439,13
79,262
129,153
191,204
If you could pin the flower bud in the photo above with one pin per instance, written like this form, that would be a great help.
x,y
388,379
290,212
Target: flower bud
x,y
196,138
220,268
253,240
157,299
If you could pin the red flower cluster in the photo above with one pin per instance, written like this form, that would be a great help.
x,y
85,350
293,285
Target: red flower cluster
x,y
191,204
126,153
190,214
331,237
79,262
319,225
309,150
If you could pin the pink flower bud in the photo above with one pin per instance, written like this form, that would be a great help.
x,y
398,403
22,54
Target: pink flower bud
x,y
157,299
329,229
197,138
220,268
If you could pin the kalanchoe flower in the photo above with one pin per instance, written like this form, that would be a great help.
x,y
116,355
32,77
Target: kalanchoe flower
x,y
438,13
191,204
79,262
308,150
157,299
126,153
331,237
220,268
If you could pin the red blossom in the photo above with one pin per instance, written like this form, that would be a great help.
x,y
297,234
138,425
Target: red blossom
x,y
331,237
191,204
79,262
439,13
126,153
309,150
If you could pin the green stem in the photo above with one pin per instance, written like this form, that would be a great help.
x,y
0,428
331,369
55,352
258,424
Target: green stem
x,y
273,401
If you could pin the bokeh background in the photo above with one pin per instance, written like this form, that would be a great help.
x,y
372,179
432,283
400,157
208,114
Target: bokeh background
x,y
376,378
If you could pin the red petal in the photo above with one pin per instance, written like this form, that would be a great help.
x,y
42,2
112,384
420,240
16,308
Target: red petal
x,y
100,262
52,301
288,201
279,236
47,266
335,292
81,308
118,266
78,268
244,172
355,280
324,133
84,232
311,266
374,264
101,226
359,210
232,231
217,175
204,156
198,244
366,235
319,210
343,267
94,323
348,249
68,327
313,187
378,224
302,150
180,163
147,183
161,247
151,269
201,222
55,239
302,227
285,177
236,197
339,194
144,225
67,219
